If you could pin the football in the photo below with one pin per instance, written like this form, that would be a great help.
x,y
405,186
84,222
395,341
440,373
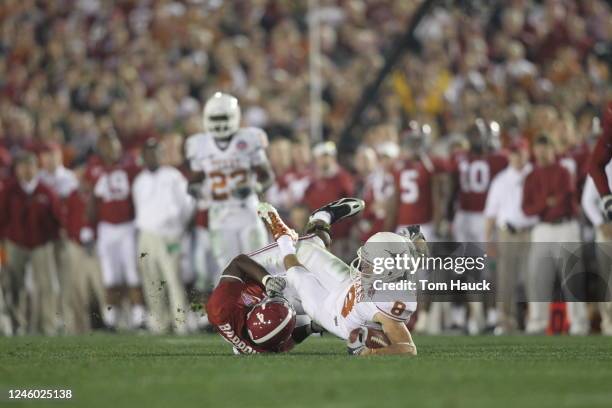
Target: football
x,y
375,338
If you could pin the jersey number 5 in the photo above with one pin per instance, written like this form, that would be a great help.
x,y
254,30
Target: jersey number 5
x,y
409,186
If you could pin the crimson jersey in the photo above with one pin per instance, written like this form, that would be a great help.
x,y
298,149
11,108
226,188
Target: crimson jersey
x,y
475,173
323,190
227,310
413,182
602,154
575,160
112,189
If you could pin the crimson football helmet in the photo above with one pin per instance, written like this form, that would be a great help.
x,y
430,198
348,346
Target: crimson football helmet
x,y
270,323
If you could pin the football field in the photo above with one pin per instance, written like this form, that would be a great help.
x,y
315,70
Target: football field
x,y
176,372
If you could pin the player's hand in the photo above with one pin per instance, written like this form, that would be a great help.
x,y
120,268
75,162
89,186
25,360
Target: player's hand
x,y
356,346
274,285
606,206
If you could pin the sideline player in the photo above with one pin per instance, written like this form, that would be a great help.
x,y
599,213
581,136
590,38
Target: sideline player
x,y
233,168
330,291
110,205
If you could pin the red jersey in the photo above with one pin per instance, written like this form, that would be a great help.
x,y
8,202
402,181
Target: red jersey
x,y
377,189
475,173
413,182
227,310
74,215
112,189
575,160
545,182
602,154
324,190
29,220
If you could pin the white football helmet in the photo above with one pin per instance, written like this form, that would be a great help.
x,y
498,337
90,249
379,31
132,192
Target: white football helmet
x,y
221,115
380,245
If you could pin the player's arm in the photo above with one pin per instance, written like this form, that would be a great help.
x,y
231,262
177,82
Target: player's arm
x,y
397,333
265,176
243,266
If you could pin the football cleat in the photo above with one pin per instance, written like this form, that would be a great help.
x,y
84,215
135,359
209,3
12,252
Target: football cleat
x,y
342,208
274,222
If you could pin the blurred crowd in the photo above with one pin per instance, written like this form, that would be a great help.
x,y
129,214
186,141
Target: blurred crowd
x,y
506,75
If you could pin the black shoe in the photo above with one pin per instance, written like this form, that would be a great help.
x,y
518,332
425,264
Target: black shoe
x,y
343,208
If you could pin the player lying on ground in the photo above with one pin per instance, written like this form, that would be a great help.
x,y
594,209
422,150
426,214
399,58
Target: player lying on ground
x,y
238,301
330,294
248,311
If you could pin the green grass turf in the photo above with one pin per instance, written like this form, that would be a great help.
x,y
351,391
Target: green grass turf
x,y
176,372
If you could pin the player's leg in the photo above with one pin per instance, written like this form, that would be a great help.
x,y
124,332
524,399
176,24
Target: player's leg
x,y
541,273
128,255
46,288
6,326
312,295
169,264
79,266
110,267
14,281
604,260
311,292
574,289
225,245
153,283
253,235
338,210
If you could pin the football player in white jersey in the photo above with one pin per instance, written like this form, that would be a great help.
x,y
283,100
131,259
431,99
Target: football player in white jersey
x,y
329,290
233,168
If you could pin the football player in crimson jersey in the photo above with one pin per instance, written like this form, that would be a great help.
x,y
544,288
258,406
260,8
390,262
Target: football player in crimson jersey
x,y
601,156
473,172
415,183
109,185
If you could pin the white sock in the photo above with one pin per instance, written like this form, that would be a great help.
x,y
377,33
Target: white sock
x,y
109,315
321,215
286,245
138,315
458,315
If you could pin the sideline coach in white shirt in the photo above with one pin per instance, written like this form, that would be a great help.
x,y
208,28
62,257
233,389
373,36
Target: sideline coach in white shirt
x,y
504,215
163,209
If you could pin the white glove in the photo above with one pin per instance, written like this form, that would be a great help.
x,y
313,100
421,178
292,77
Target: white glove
x,y
274,285
606,206
357,346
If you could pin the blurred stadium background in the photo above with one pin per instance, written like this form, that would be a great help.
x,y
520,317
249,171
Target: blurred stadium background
x,y
343,89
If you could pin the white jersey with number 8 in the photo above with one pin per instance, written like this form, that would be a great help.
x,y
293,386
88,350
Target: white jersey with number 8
x,y
326,291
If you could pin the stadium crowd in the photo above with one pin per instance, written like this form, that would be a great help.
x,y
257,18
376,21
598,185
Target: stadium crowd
x,y
529,78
